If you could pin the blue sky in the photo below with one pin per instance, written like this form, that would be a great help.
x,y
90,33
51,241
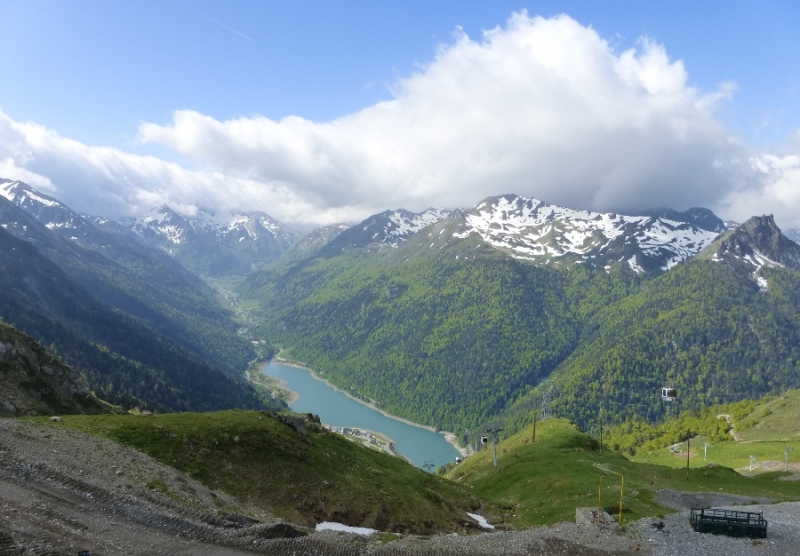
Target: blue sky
x,y
93,72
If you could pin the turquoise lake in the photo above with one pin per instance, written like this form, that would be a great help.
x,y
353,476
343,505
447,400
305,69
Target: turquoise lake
x,y
335,408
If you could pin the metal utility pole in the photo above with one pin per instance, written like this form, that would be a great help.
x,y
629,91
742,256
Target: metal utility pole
x,y
786,451
752,459
688,451
705,450
494,432
429,465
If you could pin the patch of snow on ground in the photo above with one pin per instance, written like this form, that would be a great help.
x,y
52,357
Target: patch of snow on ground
x,y
634,265
481,521
333,526
6,190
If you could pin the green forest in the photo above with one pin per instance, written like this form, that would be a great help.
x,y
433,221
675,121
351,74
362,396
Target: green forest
x,y
456,342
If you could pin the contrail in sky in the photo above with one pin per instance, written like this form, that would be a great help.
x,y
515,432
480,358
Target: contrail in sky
x,y
220,24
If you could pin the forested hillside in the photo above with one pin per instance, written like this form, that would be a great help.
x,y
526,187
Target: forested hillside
x,y
134,279
33,382
452,333
440,340
704,327
125,362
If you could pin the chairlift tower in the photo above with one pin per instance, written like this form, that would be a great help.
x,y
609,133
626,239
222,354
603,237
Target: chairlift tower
x,y
546,399
493,431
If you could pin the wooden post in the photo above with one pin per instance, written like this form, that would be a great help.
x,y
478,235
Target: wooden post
x,y
621,494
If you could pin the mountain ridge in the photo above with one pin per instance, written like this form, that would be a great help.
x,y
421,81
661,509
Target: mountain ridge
x,y
132,278
210,243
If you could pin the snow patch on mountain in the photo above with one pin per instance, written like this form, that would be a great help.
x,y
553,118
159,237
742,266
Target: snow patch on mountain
x,y
530,229
47,210
393,227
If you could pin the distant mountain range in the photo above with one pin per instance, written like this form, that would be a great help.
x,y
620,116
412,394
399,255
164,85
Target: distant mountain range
x,y
451,318
209,243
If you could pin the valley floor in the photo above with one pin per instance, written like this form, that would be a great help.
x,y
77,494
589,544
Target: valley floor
x,y
62,491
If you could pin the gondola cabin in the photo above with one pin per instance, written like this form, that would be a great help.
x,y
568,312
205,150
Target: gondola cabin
x,y
669,394
484,439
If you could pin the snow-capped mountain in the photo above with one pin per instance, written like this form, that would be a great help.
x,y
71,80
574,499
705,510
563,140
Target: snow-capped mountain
x,y
700,217
527,228
756,244
167,227
206,242
212,243
390,227
50,212
68,224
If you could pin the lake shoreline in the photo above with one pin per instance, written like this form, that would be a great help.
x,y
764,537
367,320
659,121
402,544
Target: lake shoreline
x,y
448,436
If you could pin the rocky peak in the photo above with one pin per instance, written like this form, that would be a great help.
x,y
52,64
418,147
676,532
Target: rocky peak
x,y
759,242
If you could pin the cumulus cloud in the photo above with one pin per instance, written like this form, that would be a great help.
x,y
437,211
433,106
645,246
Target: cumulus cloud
x,y
540,107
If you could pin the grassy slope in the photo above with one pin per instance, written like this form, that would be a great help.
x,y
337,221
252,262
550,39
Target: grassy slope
x,y
764,431
544,481
303,478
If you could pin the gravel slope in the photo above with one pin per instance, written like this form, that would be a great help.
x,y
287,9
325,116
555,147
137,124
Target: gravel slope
x,y
677,537
62,491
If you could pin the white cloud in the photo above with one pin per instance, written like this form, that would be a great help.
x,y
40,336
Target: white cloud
x,y
774,189
106,181
540,107
10,170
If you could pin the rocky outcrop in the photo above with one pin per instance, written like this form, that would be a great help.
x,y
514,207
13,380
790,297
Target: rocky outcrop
x,y
760,242
33,382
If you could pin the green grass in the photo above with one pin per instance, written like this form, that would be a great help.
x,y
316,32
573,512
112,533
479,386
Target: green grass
x,y
542,482
772,424
303,478
735,455
776,419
